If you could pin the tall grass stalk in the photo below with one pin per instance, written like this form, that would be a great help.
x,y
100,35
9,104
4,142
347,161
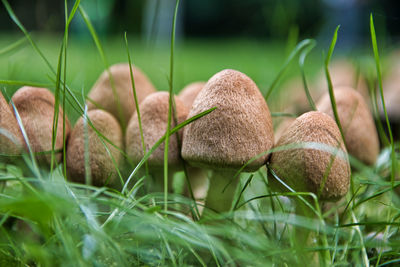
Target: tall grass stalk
x,y
379,75
170,106
136,102
299,47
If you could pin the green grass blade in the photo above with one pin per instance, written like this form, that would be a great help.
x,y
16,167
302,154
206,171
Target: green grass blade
x,y
300,46
12,46
302,58
56,107
378,70
25,83
136,102
100,49
36,48
329,80
170,106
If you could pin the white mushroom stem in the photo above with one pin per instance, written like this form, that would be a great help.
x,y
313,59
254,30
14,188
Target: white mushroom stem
x,y
221,190
198,182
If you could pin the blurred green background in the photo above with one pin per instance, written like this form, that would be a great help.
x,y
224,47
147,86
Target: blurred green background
x,y
252,36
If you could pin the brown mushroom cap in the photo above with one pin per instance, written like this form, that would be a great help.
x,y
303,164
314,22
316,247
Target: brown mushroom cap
x,y
238,130
102,92
154,118
36,109
101,164
358,125
189,93
12,143
303,169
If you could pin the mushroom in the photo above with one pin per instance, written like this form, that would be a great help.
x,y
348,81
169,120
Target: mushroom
x,y
36,109
11,140
120,104
311,168
154,119
102,165
189,93
197,176
361,136
226,139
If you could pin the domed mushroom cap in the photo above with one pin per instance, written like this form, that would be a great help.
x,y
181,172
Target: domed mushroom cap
x,y
102,92
189,93
36,109
358,125
304,169
154,118
101,164
11,140
238,130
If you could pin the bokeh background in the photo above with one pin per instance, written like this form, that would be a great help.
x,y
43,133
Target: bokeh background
x,y
252,36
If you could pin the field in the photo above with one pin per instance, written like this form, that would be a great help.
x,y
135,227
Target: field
x,y
46,220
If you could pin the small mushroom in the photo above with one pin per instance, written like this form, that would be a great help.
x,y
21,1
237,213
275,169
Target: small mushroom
x,y
308,166
11,140
361,136
154,119
197,176
103,167
189,93
36,109
121,104
227,138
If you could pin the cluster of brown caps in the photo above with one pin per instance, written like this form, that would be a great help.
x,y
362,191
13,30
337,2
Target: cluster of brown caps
x,y
309,155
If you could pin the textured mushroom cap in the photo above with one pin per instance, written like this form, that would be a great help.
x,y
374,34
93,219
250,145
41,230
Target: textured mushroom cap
x,y
101,164
11,140
238,130
102,92
189,93
304,169
154,117
358,125
36,109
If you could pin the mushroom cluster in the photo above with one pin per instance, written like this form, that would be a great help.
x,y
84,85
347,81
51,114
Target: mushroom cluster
x,y
237,136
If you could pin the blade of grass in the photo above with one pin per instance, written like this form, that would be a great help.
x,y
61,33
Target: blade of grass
x,y
100,49
36,48
12,46
302,58
300,46
23,83
56,107
136,102
378,70
170,106
329,81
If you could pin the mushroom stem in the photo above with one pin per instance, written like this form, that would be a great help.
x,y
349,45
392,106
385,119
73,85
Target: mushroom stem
x,y
198,182
221,190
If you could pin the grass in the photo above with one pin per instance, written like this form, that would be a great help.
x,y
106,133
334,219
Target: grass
x,y
47,221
